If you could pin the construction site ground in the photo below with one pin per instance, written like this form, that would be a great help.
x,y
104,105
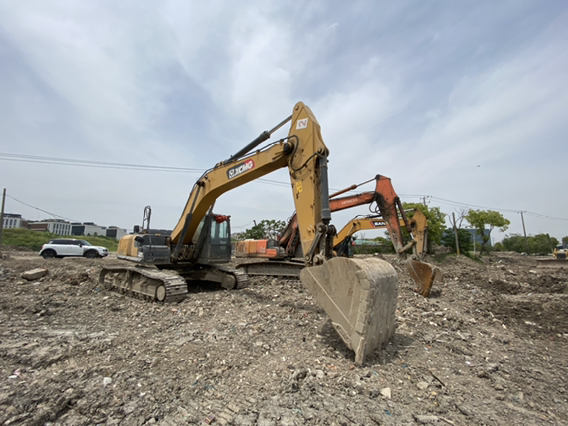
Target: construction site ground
x,y
488,348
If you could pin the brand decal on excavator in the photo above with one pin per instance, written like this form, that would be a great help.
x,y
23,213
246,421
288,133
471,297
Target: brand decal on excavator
x,y
302,124
240,169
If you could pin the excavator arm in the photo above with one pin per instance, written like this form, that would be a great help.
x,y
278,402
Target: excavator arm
x,y
424,274
388,205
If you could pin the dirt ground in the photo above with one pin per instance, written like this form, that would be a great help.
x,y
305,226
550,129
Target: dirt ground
x,y
489,347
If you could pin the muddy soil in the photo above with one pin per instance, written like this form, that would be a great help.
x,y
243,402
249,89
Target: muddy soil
x,y
489,347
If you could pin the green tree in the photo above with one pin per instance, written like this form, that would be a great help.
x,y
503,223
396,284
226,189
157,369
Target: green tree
x,y
384,245
499,247
479,219
537,244
565,241
436,222
542,244
263,230
464,240
515,242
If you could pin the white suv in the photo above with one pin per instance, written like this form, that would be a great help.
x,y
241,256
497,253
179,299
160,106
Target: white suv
x,y
70,247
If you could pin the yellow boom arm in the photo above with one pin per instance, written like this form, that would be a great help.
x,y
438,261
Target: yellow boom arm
x,y
305,154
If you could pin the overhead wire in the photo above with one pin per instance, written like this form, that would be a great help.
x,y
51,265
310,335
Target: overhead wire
x,y
126,166
109,165
41,210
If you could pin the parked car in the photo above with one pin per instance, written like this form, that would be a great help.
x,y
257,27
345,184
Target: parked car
x,y
72,247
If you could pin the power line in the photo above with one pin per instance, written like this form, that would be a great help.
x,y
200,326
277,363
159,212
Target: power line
x,y
88,163
126,166
460,204
107,165
41,210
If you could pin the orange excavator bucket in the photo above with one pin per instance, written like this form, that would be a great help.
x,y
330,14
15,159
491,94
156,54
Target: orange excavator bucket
x,y
424,274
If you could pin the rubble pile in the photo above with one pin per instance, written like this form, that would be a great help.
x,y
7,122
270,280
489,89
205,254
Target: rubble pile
x,y
488,347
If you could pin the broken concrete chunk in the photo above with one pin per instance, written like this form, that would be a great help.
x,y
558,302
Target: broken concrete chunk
x,y
34,274
426,419
422,385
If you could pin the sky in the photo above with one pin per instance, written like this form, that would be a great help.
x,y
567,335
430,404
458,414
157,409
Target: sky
x,y
461,104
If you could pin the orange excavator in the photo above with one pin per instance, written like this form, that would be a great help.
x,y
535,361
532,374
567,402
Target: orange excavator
x,y
284,256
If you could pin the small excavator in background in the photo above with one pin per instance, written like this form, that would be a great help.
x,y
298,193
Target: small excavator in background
x,y
359,295
418,224
283,255
424,274
559,257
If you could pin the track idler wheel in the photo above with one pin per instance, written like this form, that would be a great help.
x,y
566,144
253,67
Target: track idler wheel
x,y
359,295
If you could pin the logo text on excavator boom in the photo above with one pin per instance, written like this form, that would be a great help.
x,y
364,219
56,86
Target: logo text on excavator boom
x,y
240,168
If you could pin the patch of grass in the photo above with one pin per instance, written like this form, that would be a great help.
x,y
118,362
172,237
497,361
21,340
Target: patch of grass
x,y
33,240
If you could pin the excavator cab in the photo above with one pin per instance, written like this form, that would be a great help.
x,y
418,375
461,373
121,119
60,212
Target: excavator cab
x,y
215,239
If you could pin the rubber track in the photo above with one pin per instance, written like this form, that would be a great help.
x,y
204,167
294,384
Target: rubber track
x,y
241,276
175,285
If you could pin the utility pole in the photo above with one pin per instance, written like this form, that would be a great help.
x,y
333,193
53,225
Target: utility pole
x,y
525,233
2,218
456,234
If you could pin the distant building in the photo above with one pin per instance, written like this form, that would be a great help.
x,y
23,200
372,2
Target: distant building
x,y
12,220
87,229
62,227
55,226
116,232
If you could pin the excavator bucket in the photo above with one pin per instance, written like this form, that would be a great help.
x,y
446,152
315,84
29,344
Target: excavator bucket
x,y
359,295
424,274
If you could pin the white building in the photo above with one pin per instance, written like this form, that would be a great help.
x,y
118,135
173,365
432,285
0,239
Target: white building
x,y
55,226
12,220
116,232
88,229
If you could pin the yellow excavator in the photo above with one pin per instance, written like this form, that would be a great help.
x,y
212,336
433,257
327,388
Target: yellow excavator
x,y
422,273
359,295
559,257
